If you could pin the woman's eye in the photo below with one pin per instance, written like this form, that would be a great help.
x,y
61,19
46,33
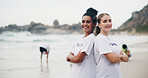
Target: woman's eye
x,y
110,20
83,21
88,21
104,21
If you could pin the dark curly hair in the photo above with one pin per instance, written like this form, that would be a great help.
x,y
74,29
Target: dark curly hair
x,y
92,13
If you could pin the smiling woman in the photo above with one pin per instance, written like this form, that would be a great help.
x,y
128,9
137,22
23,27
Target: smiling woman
x,y
104,23
82,55
107,52
87,25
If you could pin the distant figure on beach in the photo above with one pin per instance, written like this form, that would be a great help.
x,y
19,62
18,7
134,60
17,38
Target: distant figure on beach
x,y
44,49
82,55
126,50
107,52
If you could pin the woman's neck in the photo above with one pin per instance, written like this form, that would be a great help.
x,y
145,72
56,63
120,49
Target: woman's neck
x,y
86,34
104,33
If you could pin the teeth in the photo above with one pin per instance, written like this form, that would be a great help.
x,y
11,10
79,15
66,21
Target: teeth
x,y
108,26
85,27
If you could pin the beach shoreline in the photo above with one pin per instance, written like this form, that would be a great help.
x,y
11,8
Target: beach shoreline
x,y
23,59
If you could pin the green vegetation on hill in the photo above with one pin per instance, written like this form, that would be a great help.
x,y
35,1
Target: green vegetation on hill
x,y
142,29
129,29
138,23
138,29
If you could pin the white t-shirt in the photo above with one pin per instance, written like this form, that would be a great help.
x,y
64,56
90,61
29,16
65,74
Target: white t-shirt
x,y
86,68
106,69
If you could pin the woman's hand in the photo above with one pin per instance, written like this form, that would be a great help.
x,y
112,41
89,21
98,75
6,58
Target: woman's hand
x,y
68,57
123,57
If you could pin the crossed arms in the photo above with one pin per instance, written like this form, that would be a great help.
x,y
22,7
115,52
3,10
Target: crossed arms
x,y
115,58
76,58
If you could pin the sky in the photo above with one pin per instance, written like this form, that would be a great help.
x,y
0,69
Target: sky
x,y
22,12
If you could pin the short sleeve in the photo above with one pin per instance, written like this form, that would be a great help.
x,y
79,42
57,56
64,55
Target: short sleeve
x,y
88,45
103,46
75,49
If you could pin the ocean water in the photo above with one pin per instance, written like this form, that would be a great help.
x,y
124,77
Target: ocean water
x,y
20,55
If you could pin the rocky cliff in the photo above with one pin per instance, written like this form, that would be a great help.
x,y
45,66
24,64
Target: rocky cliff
x,y
138,20
39,28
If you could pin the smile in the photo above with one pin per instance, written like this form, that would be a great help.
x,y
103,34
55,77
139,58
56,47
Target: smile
x,y
108,27
86,27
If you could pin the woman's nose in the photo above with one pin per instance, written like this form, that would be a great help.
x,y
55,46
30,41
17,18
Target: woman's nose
x,y
109,23
85,23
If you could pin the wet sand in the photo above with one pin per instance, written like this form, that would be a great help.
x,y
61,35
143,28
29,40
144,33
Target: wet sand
x,y
22,59
25,63
137,65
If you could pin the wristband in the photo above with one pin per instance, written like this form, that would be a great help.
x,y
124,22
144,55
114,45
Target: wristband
x,y
68,60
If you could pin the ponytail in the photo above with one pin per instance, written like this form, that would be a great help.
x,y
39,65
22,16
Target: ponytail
x,y
97,30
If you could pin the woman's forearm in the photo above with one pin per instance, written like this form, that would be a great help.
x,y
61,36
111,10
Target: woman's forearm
x,y
113,57
74,59
77,58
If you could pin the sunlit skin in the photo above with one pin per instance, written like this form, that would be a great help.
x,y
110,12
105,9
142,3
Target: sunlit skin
x,y
105,24
87,25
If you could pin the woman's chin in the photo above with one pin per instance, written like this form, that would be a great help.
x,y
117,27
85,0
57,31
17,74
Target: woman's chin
x,y
109,29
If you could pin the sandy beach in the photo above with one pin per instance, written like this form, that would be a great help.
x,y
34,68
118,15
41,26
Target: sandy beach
x,y
137,65
20,56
